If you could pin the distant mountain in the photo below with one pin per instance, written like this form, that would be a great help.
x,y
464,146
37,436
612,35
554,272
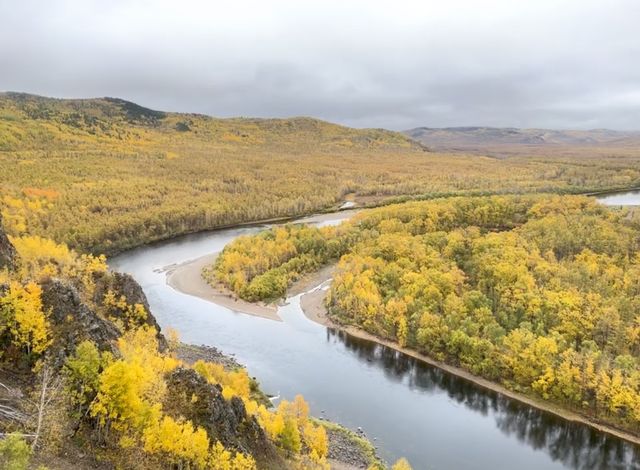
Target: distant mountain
x,y
497,138
27,120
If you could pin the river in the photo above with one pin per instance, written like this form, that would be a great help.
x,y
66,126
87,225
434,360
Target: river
x,y
624,198
406,407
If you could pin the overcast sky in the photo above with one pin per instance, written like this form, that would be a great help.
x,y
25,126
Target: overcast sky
x,y
395,64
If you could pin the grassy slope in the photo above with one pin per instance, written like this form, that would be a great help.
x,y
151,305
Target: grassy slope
x,y
105,174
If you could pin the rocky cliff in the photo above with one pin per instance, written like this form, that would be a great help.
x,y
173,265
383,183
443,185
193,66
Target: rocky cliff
x,y
224,420
7,251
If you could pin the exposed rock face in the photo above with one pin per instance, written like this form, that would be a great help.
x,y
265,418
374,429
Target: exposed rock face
x,y
7,251
190,354
225,421
125,285
74,321
344,450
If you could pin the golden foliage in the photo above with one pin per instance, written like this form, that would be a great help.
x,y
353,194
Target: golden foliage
x,y
39,258
21,314
112,175
402,464
131,388
179,442
234,383
539,292
263,266
222,459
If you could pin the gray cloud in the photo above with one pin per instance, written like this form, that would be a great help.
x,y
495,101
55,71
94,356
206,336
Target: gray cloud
x,y
550,63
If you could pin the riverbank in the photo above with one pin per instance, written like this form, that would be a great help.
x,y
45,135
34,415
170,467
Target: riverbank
x,y
187,278
349,450
312,304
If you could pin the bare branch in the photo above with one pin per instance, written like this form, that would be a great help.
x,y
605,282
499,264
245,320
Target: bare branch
x,y
49,387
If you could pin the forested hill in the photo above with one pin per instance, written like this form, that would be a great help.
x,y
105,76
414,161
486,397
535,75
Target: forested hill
x,y
103,175
28,120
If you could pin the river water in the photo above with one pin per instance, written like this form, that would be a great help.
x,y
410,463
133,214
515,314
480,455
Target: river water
x,y
628,198
406,407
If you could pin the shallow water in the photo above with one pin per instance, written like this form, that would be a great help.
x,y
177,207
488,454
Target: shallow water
x,y
411,409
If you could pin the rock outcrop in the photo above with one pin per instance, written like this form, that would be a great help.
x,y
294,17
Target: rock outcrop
x,y
123,284
74,321
77,315
227,421
7,251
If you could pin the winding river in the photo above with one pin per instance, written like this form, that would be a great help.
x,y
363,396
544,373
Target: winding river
x,y
406,407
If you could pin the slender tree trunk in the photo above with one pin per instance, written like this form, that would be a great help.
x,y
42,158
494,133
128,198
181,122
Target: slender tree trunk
x,y
40,407
48,390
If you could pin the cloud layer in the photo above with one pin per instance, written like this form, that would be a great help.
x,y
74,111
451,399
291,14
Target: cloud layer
x,y
402,64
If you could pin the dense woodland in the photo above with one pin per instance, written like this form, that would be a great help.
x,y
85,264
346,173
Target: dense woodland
x,y
103,175
539,293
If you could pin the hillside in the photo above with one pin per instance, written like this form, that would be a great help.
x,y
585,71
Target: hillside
x,y
29,120
103,175
520,140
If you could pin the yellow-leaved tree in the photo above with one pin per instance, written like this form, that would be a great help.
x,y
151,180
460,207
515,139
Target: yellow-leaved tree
x,y
178,442
222,459
21,313
402,464
132,387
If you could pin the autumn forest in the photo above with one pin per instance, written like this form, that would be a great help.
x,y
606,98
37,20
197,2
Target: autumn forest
x,y
502,267
105,175
539,293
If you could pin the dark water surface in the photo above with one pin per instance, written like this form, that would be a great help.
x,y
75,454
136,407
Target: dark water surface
x,y
436,420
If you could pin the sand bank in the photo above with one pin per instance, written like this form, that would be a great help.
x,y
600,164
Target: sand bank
x,y
187,278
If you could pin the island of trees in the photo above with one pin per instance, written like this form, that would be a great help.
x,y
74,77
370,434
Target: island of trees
x,y
538,293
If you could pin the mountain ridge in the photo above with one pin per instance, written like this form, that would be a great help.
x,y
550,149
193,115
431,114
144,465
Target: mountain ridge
x,y
483,137
96,114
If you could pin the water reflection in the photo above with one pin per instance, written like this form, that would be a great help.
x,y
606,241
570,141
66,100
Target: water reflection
x,y
573,444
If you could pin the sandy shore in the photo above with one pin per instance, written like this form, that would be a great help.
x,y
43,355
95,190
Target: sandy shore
x,y
313,306
310,281
187,278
